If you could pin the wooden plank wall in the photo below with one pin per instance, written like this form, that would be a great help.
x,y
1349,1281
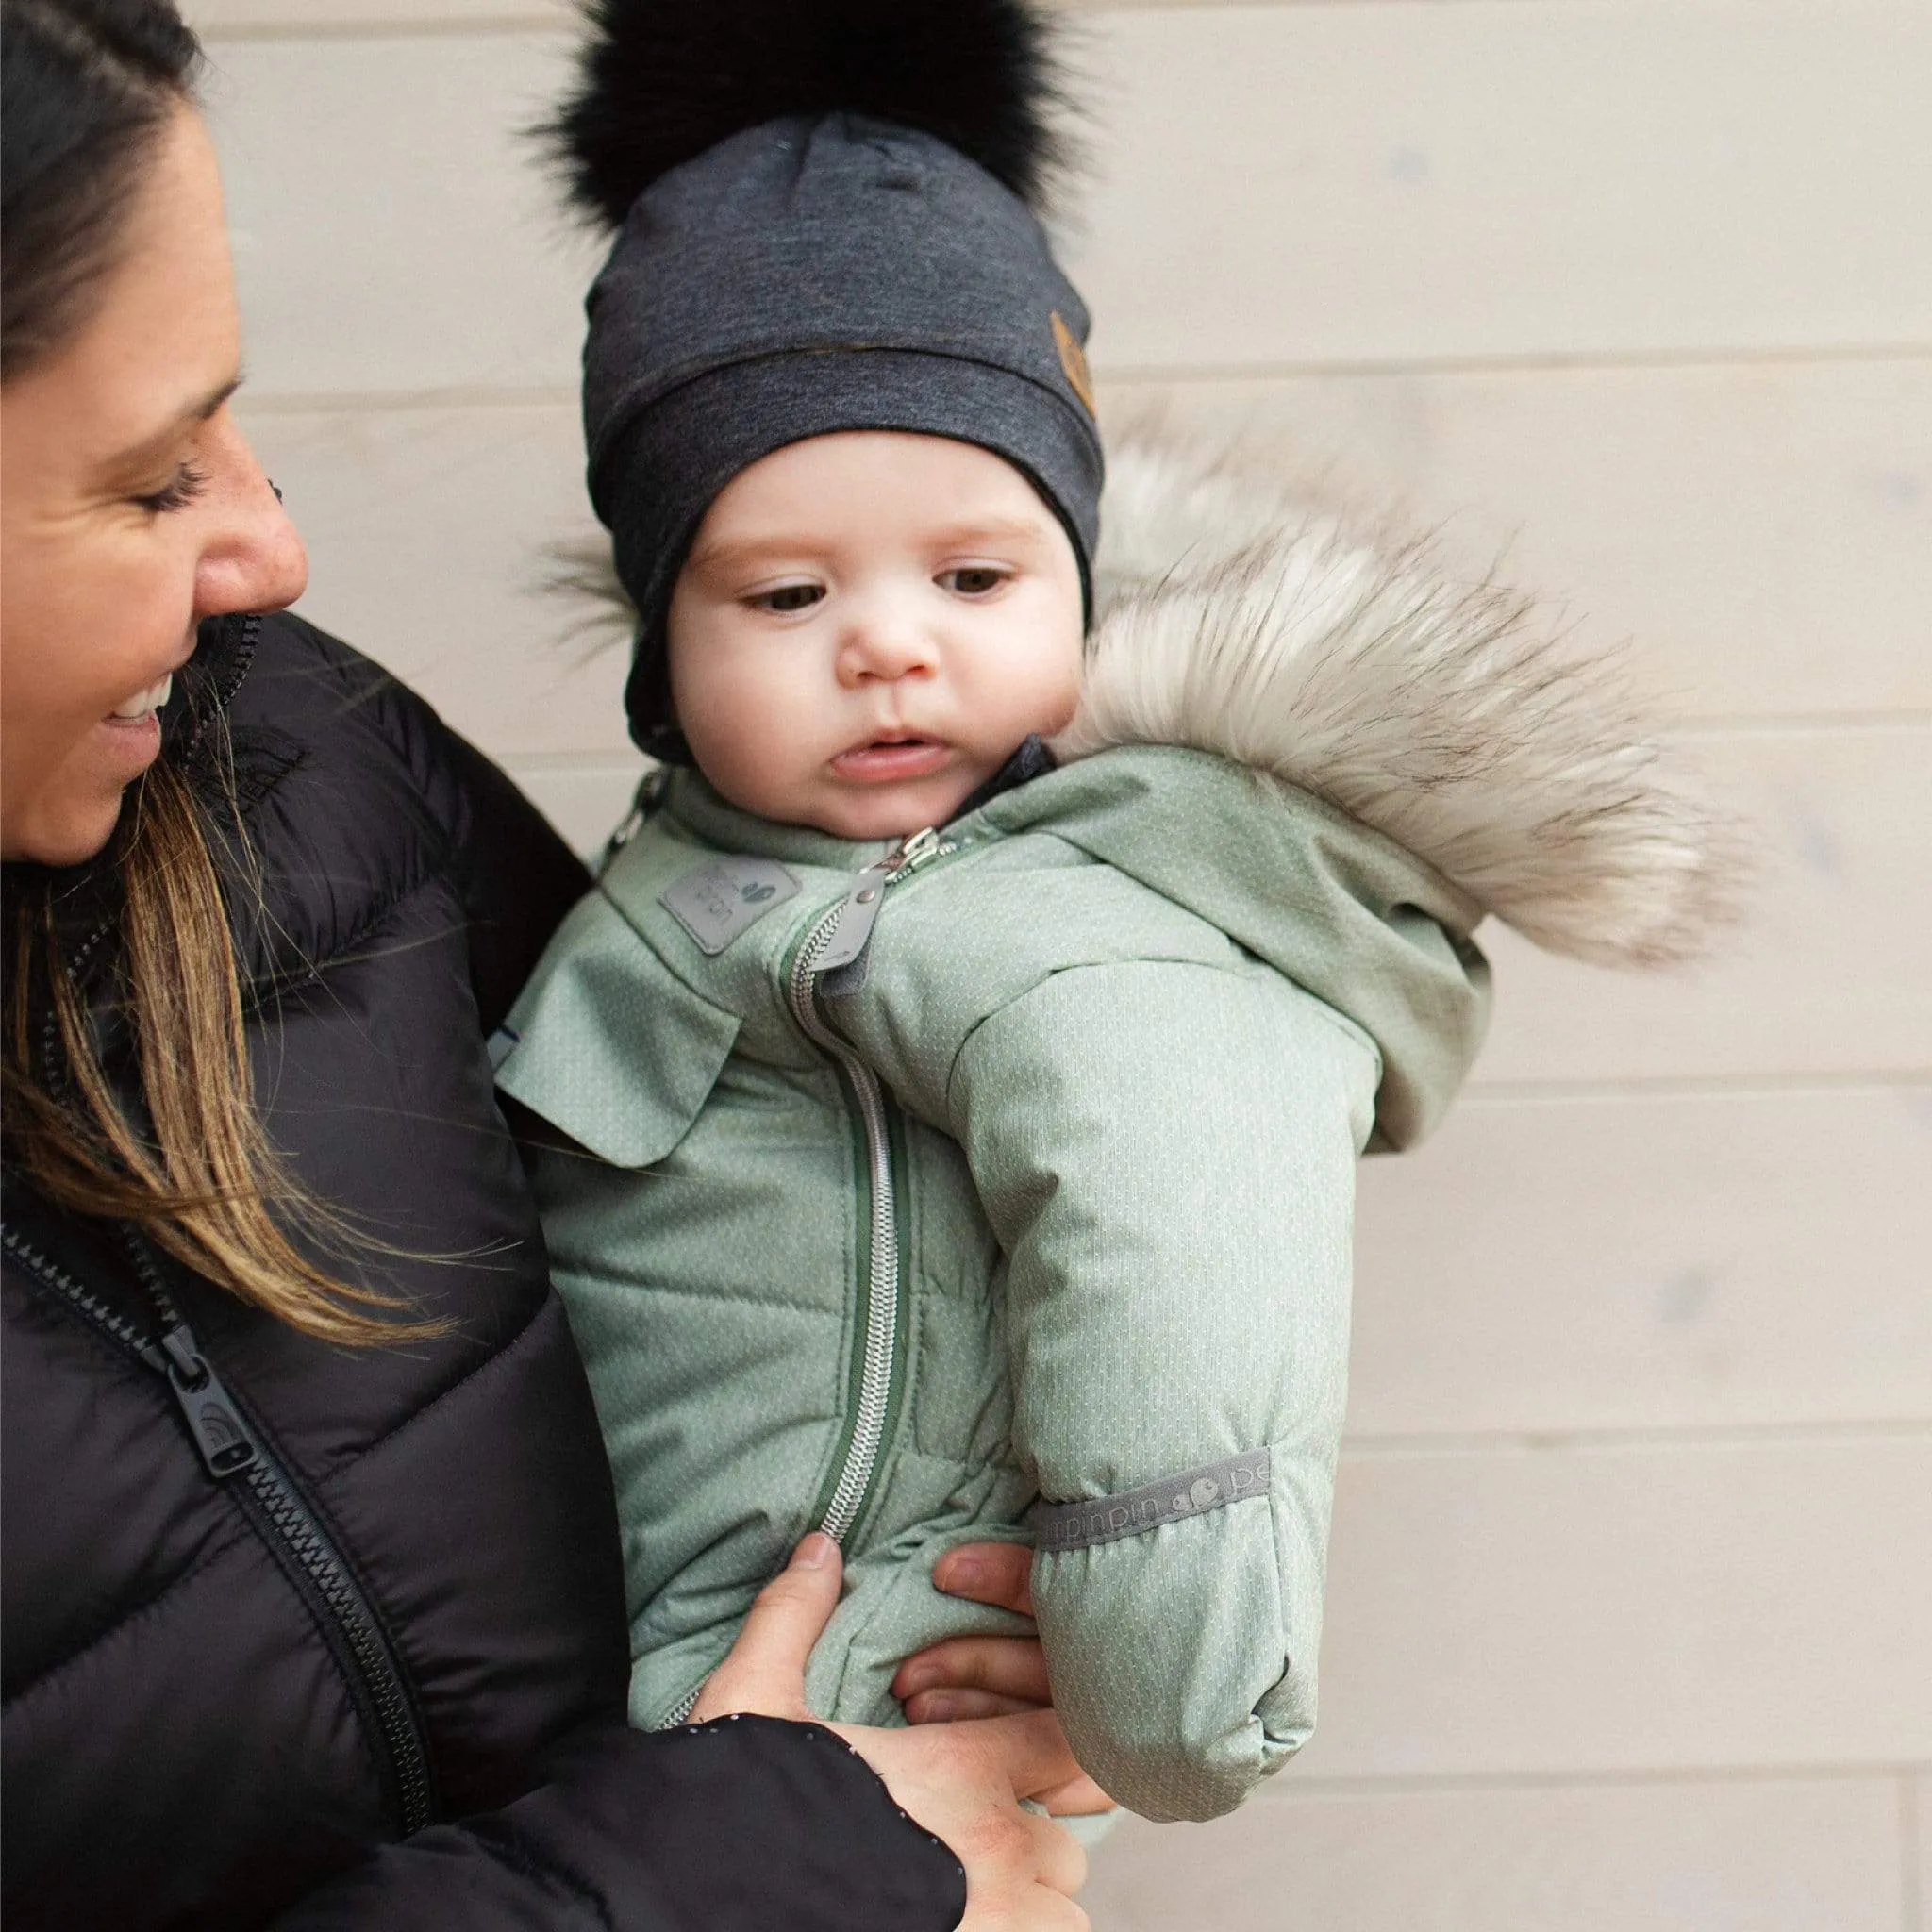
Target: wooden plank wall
x,y
1629,1625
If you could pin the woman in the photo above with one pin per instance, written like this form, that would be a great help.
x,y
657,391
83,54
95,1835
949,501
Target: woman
x,y
314,1607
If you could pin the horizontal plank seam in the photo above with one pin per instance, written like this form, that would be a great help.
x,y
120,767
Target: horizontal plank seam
x,y
1697,1086
513,396
377,402
1507,363
552,20
1732,724
1547,7
1256,6
1294,1784
601,763
1519,1443
430,28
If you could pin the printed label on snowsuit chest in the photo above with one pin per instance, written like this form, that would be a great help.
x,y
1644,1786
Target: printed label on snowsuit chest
x,y
723,897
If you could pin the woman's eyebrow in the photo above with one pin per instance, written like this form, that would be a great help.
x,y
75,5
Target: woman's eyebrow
x,y
198,410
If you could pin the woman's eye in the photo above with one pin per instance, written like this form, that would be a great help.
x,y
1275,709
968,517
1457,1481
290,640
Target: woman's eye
x,y
972,580
177,492
788,597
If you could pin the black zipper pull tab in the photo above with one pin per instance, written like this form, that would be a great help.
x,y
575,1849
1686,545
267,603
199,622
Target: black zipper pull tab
x,y
213,1420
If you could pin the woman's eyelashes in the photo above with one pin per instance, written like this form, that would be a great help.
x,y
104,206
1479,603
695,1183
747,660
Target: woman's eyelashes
x,y
187,482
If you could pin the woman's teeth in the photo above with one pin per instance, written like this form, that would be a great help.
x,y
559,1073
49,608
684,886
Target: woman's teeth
x,y
151,699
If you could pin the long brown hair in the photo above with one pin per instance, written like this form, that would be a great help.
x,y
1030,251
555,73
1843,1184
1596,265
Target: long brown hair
x,y
90,84
202,1181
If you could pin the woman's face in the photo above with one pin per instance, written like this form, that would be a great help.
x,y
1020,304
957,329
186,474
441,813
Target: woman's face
x,y
131,509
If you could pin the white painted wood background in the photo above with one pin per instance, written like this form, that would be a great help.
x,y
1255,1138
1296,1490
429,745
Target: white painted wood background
x,y
1631,1617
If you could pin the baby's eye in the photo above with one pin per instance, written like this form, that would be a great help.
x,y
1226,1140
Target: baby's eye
x,y
973,579
788,597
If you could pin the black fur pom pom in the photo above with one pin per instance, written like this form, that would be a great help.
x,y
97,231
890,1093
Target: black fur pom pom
x,y
659,82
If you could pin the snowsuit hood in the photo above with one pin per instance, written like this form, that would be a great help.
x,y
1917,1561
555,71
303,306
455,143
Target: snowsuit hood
x,y
1451,717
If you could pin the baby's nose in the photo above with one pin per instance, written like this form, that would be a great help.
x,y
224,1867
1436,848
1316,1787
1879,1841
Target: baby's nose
x,y
884,645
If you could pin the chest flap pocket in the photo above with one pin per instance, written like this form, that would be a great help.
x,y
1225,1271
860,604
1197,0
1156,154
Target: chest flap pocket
x,y
607,1043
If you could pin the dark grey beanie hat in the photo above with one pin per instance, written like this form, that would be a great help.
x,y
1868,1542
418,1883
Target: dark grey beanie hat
x,y
817,270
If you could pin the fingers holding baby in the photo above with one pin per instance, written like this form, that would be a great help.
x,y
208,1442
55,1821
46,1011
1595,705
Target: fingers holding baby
x,y
964,1782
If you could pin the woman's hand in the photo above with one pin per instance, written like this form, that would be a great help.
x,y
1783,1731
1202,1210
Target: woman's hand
x,y
978,1676
963,1782
989,1677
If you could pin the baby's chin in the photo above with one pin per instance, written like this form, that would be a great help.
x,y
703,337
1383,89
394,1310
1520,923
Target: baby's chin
x,y
885,811
887,818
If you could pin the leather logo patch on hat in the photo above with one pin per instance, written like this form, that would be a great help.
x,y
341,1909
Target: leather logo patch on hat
x,y
1073,360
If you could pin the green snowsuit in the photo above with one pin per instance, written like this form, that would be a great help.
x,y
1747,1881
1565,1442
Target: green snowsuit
x,y
1045,1193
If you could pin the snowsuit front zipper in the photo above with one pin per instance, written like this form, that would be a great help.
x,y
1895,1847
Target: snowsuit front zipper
x,y
277,1509
839,938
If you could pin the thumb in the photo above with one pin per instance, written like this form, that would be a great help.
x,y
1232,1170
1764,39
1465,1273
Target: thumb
x,y
763,1673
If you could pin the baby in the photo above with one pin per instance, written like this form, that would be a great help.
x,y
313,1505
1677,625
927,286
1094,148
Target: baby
x,y
958,1074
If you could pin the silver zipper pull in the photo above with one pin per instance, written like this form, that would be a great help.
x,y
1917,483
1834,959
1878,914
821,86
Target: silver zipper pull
x,y
913,853
859,912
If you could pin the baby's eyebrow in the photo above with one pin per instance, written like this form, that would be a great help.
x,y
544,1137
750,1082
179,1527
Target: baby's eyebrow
x,y
988,529
729,554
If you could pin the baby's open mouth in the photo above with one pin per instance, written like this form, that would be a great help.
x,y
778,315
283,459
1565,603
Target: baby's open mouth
x,y
879,761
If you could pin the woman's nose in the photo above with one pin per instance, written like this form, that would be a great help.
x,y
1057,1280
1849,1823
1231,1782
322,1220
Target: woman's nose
x,y
251,558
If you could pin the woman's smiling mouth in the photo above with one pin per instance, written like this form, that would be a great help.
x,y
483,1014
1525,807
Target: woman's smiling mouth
x,y
143,703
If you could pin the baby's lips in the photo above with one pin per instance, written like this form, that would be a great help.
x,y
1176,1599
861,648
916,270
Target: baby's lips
x,y
888,759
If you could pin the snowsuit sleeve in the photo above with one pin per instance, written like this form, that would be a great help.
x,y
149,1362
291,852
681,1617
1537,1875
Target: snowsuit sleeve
x,y
1166,1152
740,1825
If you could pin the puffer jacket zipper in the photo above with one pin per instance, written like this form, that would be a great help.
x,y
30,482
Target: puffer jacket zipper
x,y
274,1506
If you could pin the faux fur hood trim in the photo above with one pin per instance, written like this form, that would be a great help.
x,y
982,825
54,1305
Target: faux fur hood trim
x,y
1235,619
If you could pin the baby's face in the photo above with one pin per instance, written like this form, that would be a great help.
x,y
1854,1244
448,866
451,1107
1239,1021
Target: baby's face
x,y
866,629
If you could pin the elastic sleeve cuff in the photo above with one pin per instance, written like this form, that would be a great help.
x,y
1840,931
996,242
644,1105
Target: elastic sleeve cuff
x,y
737,1825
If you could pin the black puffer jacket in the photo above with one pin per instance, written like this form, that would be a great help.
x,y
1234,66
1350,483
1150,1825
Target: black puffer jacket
x,y
229,1697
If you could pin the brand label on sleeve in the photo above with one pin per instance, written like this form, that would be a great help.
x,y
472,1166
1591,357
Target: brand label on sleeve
x,y
1194,1492
723,897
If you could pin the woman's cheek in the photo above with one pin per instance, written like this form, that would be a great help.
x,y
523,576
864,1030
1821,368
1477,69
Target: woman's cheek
x,y
67,766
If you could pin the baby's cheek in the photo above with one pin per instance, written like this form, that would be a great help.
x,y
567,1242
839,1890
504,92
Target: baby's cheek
x,y
765,772
1044,688
750,729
